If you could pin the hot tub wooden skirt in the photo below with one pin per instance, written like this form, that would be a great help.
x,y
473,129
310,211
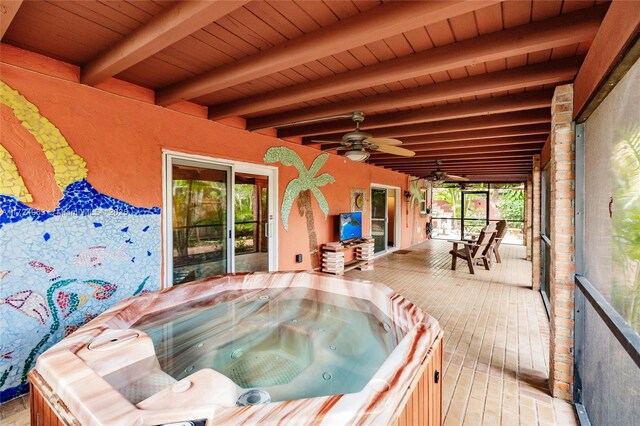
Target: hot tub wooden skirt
x,y
423,407
45,406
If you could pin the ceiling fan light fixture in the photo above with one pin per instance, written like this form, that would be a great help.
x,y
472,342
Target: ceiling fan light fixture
x,y
357,155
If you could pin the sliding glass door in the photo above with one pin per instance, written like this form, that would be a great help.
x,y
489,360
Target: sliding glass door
x,y
379,219
219,218
200,204
251,193
385,217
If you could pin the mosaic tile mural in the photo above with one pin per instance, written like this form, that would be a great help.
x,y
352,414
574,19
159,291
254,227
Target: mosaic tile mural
x,y
61,268
302,187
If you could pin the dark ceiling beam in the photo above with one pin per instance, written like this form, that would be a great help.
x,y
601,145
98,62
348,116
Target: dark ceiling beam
x,y
461,170
498,132
375,24
492,162
8,10
455,170
619,28
559,31
474,167
471,175
458,170
536,116
465,151
552,72
460,155
522,140
476,176
507,178
484,162
479,157
464,172
173,24
429,166
494,132
424,162
499,105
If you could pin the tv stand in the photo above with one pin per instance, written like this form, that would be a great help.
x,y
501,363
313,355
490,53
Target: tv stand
x,y
333,256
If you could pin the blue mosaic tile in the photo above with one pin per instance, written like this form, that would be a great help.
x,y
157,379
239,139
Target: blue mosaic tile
x,y
79,198
62,270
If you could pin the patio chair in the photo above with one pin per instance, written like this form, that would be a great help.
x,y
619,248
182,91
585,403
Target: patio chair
x,y
501,230
473,251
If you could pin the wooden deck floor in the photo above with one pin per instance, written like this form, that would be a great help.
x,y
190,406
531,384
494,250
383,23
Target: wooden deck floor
x,y
496,337
496,334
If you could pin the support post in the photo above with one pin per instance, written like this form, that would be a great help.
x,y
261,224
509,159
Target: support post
x,y
528,210
535,225
562,199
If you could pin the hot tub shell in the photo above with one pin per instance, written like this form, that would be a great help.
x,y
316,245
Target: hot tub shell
x,y
75,381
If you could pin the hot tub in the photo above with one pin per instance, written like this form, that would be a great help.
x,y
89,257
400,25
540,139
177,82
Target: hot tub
x,y
267,348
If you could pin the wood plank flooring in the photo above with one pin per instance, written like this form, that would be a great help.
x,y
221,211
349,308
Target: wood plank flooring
x,y
496,334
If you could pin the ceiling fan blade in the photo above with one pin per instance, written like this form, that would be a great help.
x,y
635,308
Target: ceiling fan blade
x,y
384,141
395,150
323,141
455,177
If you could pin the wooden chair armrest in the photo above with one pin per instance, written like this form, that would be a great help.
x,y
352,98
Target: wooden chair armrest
x,y
466,243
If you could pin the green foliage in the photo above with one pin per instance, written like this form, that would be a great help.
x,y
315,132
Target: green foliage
x,y
510,203
451,195
508,200
625,161
245,202
196,202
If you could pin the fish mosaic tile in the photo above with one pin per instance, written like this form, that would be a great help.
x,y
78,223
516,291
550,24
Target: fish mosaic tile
x,y
60,268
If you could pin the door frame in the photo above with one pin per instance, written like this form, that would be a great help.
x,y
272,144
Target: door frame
x,y
398,225
234,166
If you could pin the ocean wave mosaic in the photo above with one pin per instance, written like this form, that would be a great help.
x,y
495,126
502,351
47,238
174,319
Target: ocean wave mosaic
x,y
61,268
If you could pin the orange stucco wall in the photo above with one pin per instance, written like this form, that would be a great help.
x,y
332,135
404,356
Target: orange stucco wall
x,y
121,134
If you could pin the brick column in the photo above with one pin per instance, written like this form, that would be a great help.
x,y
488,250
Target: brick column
x,y
535,225
562,242
527,215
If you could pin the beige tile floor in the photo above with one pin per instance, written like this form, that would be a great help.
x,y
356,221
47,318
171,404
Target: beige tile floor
x,y
496,337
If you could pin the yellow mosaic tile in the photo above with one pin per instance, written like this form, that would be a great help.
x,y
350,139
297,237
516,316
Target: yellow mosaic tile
x,y
68,167
11,182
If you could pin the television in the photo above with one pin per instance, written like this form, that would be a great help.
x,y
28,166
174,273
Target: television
x,y
350,226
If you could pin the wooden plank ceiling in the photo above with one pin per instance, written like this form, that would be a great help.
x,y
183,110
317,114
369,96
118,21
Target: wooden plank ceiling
x,y
465,82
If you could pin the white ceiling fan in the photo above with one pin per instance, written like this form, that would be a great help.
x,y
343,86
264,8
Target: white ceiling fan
x,y
438,176
357,144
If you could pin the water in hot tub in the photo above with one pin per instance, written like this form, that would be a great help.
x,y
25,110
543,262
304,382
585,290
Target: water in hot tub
x,y
292,343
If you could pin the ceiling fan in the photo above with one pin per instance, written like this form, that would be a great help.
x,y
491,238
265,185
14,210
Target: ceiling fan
x,y
438,175
357,144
